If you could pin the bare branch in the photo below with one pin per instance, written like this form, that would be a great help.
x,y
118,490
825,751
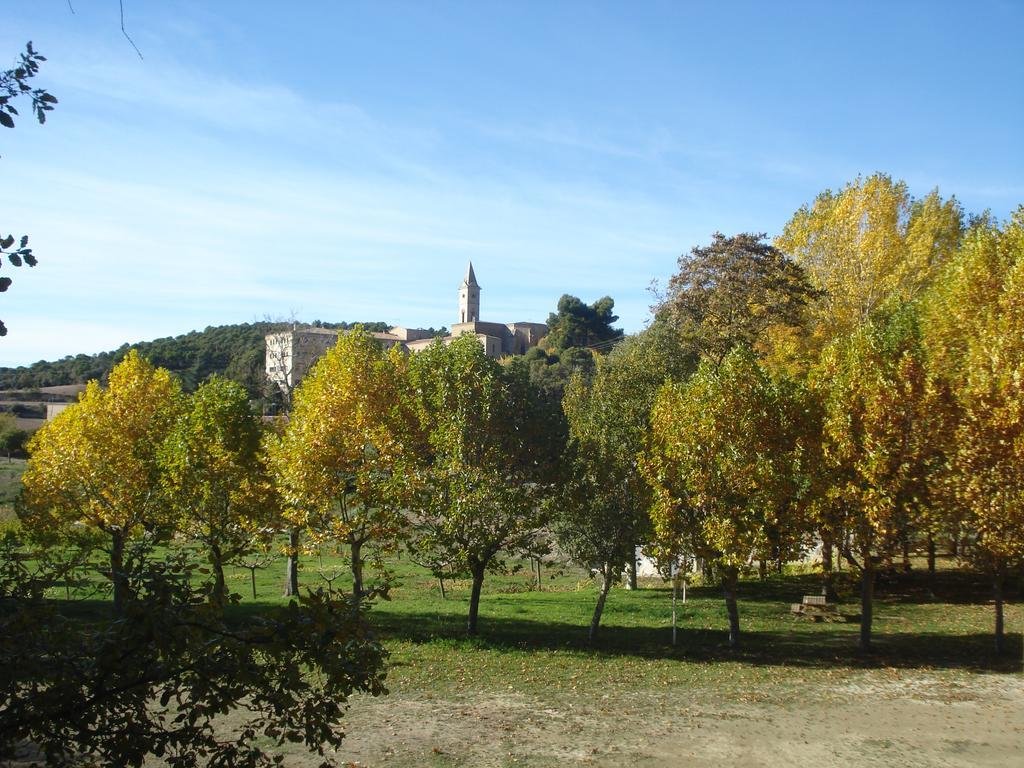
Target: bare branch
x,y
123,30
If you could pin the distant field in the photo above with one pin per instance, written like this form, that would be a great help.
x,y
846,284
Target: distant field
x,y
61,392
65,390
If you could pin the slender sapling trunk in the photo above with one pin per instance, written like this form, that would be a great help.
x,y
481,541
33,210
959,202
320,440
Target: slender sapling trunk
x,y
357,569
997,593
827,574
291,564
220,589
606,585
730,576
117,574
867,597
931,565
474,597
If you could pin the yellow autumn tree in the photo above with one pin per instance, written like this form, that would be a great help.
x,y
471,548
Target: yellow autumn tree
x,y
96,462
956,311
730,459
339,462
986,472
867,243
882,443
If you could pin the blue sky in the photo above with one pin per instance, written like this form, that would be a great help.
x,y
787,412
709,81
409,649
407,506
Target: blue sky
x,y
343,161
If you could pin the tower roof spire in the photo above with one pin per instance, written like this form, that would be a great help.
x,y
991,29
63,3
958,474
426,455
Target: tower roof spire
x,y
470,278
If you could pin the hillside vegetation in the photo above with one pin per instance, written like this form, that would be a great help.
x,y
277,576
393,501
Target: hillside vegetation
x,y
234,351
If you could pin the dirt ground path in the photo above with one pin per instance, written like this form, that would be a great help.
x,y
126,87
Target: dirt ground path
x,y
916,719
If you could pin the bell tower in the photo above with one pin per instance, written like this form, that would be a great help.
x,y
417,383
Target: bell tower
x,y
469,298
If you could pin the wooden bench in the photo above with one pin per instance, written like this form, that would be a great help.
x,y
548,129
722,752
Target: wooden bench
x,y
816,608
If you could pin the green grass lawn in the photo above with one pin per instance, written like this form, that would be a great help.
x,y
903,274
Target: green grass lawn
x,y
535,641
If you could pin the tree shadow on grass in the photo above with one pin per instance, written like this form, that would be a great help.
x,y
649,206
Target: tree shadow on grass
x,y
825,646
959,587
796,644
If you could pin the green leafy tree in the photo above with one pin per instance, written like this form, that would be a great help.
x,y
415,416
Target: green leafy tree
x,y
577,324
551,371
730,459
738,290
12,439
340,461
215,477
488,460
602,513
96,462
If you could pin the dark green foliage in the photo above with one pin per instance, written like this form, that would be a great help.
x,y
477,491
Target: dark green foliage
x,y
581,325
12,438
234,351
153,682
12,442
601,513
14,84
732,292
551,371
490,454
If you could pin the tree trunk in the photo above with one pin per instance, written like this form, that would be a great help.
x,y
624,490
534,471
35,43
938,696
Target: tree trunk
x,y
540,586
729,578
252,576
762,570
827,576
357,569
117,575
474,598
867,595
906,551
440,581
931,565
997,593
291,564
595,622
220,588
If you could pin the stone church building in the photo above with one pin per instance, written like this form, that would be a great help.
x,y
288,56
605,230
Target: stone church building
x,y
290,354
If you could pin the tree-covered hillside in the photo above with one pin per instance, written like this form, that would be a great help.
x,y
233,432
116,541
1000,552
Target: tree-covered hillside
x,y
236,351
